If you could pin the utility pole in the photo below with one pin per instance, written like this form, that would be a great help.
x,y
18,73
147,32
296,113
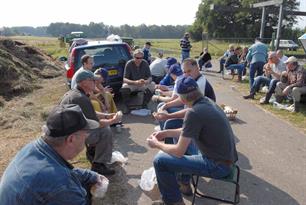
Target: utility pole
x,y
279,25
263,22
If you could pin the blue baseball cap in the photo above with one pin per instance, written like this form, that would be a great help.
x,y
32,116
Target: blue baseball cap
x,y
102,72
84,75
170,62
176,70
186,85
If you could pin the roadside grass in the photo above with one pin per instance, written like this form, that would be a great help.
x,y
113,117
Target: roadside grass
x,y
296,119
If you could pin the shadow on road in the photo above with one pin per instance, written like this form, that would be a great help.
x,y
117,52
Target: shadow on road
x,y
253,189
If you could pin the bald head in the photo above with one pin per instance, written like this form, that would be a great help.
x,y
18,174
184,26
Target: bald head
x,y
273,57
279,53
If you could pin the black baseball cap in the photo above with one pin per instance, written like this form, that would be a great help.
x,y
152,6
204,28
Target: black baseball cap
x,y
66,119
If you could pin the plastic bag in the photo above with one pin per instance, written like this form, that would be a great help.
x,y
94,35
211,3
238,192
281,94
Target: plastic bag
x,y
148,179
141,112
98,191
118,157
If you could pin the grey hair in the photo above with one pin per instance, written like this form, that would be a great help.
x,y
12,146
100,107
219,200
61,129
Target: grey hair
x,y
192,96
52,141
137,51
190,62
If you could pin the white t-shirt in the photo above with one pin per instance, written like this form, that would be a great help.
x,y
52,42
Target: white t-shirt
x,y
201,81
284,58
158,67
73,80
175,85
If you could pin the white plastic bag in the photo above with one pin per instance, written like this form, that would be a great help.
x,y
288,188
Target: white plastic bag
x,y
98,191
118,157
148,179
141,112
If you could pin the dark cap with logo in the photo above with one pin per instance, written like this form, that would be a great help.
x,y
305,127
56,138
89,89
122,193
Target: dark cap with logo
x,y
66,119
186,85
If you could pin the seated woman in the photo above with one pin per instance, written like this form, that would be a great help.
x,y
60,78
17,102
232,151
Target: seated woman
x,y
225,56
204,60
102,98
232,63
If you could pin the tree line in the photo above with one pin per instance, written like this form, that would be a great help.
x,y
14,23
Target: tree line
x,y
100,30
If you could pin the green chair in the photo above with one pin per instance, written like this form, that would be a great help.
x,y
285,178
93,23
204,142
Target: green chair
x,y
233,178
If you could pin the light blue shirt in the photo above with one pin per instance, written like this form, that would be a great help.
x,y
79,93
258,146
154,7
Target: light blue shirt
x,y
258,52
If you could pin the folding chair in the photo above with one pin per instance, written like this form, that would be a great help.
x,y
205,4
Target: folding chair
x,y
233,178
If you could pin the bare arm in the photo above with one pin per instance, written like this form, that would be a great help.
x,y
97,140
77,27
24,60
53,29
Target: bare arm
x,y
176,150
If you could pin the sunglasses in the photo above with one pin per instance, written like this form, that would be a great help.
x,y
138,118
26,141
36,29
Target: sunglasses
x,y
138,57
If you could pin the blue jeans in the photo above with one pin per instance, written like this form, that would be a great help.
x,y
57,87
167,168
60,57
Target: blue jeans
x,y
166,167
222,61
255,68
184,55
258,81
238,67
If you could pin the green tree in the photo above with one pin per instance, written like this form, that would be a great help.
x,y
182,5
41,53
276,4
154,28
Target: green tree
x,y
230,23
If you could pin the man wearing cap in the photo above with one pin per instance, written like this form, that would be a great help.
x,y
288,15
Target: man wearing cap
x,y
40,172
99,143
167,80
207,126
158,67
176,74
146,52
87,64
185,46
137,77
293,83
273,70
191,69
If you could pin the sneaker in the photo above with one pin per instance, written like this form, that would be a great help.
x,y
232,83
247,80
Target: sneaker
x,y
263,101
185,189
250,96
102,169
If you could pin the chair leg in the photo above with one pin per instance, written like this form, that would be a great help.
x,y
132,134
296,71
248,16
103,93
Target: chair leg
x,y
195,185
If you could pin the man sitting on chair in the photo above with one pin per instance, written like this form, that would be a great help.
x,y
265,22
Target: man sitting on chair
x,y
205,124
137,77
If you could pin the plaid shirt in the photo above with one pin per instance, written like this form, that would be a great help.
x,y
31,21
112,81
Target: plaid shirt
x,y
297,77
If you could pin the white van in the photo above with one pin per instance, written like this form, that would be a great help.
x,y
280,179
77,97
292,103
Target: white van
x,y
287,44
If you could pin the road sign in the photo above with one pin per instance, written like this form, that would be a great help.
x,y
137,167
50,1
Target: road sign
x,y
267,3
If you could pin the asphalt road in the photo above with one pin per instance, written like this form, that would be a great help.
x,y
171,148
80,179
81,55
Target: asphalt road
x,y
272,157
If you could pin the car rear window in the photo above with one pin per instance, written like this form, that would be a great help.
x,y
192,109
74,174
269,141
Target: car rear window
x,y
104,55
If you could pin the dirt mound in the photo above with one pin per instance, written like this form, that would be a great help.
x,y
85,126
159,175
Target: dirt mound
x,y
22,66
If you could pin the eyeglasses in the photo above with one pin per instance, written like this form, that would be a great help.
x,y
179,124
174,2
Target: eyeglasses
x,y
138,58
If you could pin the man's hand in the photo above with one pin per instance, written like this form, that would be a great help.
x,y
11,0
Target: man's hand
x,y
100,180
287,90
161,116
152,142
160,135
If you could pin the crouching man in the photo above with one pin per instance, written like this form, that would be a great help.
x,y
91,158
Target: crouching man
x,y
41,174
205,124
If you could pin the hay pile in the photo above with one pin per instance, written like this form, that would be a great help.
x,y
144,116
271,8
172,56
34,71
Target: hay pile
x,y
22,66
